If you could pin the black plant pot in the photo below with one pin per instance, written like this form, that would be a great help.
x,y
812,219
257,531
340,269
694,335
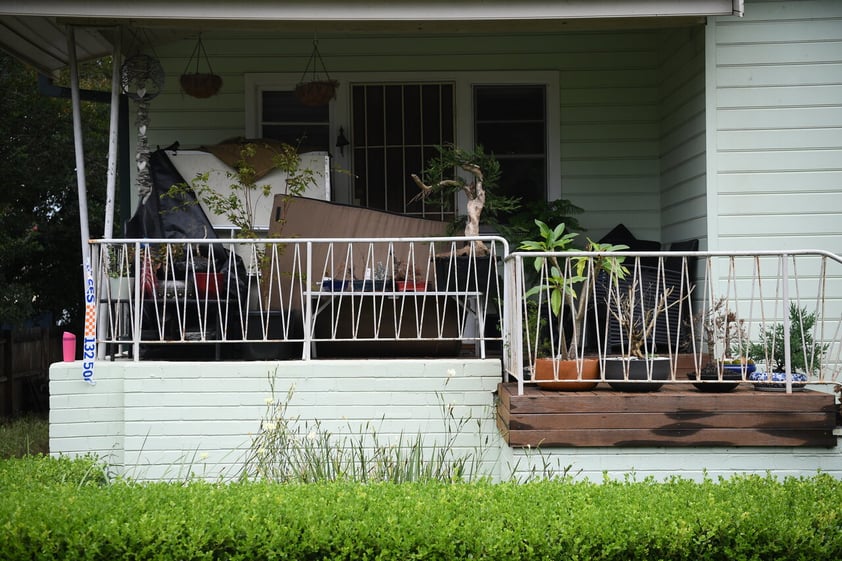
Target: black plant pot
x,y
638,375
459,275
285,350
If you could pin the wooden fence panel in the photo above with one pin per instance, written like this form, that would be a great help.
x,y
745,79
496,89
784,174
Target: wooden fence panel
x,y
25,358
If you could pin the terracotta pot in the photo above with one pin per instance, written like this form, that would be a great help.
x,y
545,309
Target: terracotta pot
x,y
208,285
411,286
544,374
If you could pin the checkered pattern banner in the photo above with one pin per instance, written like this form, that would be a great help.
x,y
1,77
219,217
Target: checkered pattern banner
x,y
89,342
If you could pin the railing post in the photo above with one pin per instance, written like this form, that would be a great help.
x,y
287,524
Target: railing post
x,y
308,305
137,317
786,321
513,326
100,263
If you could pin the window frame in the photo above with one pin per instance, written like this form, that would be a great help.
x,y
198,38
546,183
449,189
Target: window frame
x,y
340,110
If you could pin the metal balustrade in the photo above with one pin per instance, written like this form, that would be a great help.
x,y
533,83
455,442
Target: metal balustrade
x,y
312,298
706,317
297,298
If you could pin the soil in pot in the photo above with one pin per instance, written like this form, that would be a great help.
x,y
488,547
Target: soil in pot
x,y
638,374
544,374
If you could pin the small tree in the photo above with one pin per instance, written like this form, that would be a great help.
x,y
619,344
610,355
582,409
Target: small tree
x,y
240,203
569,285
484,171
806,353
638,317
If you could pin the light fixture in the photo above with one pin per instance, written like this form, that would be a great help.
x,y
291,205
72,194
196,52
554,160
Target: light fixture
x,y
341,141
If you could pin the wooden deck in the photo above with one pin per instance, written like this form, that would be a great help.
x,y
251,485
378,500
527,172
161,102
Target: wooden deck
x,y
677,415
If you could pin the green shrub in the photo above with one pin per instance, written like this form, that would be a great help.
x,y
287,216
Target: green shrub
x,y
42,471
744,518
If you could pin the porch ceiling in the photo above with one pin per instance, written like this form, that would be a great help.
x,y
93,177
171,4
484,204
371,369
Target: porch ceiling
x,y
34,31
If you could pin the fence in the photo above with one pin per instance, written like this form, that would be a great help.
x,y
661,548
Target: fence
x,y
640,319
26,355
297,298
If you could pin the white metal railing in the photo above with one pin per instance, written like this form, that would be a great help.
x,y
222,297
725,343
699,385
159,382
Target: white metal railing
x,y
772,318
296,298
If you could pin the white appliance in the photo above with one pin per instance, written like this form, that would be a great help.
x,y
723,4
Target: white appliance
x,y
191,163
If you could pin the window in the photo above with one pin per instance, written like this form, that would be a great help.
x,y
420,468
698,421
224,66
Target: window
x,y
395,130
511,123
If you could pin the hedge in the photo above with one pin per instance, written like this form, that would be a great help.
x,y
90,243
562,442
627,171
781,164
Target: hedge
x,y
65,509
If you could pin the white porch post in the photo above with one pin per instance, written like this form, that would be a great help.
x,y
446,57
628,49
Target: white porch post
x,y
113,128
79,148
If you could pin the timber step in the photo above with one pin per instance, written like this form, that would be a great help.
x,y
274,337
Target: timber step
x,y
677,415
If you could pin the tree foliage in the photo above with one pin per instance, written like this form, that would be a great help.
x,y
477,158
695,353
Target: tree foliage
x,y
40,255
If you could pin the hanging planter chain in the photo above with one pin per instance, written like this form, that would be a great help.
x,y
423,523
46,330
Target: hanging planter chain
x,y
199,52
316,91
200,84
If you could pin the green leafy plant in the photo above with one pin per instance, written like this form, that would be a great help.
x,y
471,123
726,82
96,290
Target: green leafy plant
x,y
518,224
484,171
806,353
240,203
287,450
569,284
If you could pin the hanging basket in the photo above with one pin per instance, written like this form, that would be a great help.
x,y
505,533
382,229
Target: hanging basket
x,y
316,90
316,93
200,84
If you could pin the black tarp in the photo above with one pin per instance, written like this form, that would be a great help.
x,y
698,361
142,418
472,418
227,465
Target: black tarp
x,y
161,215
177,216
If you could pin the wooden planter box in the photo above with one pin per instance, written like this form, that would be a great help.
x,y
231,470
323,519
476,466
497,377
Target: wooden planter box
x,y
678,415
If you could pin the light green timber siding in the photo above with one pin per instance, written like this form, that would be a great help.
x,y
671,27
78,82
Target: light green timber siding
x,y
775,142
170,421
682,150
609,99
609,132
166,420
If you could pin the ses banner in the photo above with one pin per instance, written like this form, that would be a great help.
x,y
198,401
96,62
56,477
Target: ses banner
x,y
89,341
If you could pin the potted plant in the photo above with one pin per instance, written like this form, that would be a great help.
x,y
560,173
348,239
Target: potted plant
x,y
637,310
564,289
468,268
806,354
120,281
725,363
408,279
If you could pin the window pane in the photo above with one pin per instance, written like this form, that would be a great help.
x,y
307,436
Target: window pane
x,y
512,138
525,178
283,106
310,137
510,122
516,103
286,119
402,124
